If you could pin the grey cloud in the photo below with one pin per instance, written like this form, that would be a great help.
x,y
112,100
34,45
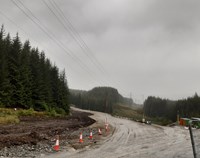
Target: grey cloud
x,y
148,47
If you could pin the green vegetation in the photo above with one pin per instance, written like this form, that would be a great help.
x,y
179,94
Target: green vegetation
x,y
160,121
98,99
8,116
155,109
137,115
161,111
165,111
11,116
28,80
189,107
126,111
10,119
158,108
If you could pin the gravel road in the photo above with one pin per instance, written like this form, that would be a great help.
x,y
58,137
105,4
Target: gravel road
x,y
133,139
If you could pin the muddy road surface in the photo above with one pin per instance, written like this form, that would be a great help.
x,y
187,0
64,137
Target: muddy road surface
x,y
132,139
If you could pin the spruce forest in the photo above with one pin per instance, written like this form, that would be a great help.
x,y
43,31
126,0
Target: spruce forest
x,y
156,107
101,99
28,79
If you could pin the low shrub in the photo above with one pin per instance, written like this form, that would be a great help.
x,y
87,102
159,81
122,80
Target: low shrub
x,y
9,119
161,121
52,113
60,111
29,112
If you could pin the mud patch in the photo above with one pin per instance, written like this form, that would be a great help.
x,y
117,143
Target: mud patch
x,y
35,135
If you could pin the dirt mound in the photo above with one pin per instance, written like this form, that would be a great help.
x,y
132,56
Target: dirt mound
x,y
34,130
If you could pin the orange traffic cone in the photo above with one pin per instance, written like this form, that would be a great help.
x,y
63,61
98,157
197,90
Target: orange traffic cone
x,y
81,138
90,135
56,146
100,133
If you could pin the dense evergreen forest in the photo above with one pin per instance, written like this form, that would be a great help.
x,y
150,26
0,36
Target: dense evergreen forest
x,y
189,107
164,108
28,79
98,99
157,107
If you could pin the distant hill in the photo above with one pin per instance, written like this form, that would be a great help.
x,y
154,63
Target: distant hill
x,y
99,99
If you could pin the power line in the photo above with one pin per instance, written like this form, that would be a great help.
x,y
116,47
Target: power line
x,y
60,21
65,27
75,35
70,28
25,32
52,37
5,16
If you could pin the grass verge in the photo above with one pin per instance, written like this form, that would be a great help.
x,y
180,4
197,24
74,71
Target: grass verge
x,y
11,116
137,115
125,111
9,119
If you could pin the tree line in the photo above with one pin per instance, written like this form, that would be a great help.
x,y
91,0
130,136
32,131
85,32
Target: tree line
x,y
98,99
165,108
28,79
189,107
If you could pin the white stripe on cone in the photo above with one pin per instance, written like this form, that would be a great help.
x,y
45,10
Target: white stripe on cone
x,y
81,138
56,146
100,132
57,142
91,135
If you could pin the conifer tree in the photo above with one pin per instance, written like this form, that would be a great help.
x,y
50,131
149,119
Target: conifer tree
x,y
63,91
6,89
25,75
36,77
14,72
28,79
2,64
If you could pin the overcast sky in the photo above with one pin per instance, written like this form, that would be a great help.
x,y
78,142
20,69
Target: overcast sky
x,y
140,47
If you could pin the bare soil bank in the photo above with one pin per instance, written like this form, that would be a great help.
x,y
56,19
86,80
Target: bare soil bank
x,y
35,135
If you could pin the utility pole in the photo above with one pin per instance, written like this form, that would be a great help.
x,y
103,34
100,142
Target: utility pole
x,y
192,140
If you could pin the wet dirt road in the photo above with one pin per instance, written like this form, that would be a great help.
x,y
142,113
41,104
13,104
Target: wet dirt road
x,y
132,139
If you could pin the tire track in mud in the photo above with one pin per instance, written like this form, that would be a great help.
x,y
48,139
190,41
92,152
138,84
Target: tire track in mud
x,y
133,139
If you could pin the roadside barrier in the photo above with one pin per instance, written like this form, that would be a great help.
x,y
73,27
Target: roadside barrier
x,y
81,138
56,146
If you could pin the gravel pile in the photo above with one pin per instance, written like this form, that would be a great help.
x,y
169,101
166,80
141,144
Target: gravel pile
x,y
46,147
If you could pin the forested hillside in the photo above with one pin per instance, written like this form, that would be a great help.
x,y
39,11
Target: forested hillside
x,y
98,99
160,108
28,79
189,107
164,108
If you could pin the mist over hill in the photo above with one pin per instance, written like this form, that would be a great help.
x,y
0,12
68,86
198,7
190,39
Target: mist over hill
x,y
99,99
